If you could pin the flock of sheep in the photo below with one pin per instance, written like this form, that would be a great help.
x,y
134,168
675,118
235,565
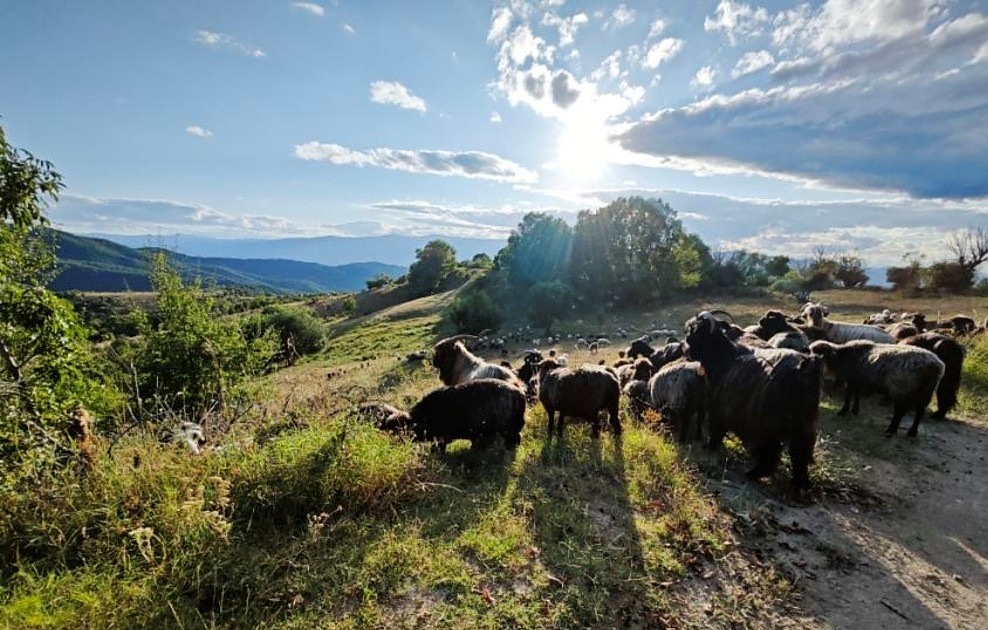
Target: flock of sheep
x,y
762,383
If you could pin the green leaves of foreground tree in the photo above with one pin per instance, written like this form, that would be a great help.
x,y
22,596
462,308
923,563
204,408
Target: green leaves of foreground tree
x,y
433,263
47,366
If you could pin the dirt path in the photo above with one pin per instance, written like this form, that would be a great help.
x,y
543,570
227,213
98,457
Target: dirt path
x,y
908,549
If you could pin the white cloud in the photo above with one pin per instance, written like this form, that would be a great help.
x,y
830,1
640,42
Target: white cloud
x,y
222,40
752,62
567,26
658,27
841,22
500,22
737,20
200,132
495,117
82,214
661,52
310,7
394,93
349,29
470,164
704,77
621,16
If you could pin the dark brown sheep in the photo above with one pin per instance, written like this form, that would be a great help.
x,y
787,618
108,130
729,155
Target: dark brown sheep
x,y
951,353
579,393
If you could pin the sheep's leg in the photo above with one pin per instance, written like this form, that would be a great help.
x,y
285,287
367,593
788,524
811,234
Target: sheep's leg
x,y
801,456
614,417
552,419
899,410
683,426
848,395
920,410
511,439
766,457
856,406
559,424
941,412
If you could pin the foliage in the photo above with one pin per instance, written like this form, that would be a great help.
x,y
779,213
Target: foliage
x,y
742,269
299,330
538,250
547,302
793,284
970,250
479,261
433,263
850,271
952,277
910,278
47,366
379,281
188,357
632,250
349,306
474,309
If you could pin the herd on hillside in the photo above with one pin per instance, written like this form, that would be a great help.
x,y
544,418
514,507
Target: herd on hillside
x,y
762,383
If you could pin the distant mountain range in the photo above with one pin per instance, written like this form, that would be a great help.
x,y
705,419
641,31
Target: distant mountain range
x,y
93,264
392,249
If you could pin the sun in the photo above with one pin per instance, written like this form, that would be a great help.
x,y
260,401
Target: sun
x,y
584,148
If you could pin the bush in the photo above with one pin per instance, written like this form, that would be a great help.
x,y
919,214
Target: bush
x,y
546,301
474,309
349,306
299,330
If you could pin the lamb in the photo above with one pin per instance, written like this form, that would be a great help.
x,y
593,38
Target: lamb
x,y
581,393
477,410
768,398
678,391
951,353
842,332
906,374
458,365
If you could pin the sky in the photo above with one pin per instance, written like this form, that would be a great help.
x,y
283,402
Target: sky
x,y
859,126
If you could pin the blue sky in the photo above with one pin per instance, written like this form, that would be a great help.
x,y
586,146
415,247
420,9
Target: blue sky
x,y
778,126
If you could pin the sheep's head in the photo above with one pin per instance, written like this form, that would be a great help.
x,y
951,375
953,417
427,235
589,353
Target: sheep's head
x,y
534,357
643,370
774,322
444,355
397,422
547,365
815,312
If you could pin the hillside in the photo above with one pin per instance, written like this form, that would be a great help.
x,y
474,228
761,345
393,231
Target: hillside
x,y
90,264
394,249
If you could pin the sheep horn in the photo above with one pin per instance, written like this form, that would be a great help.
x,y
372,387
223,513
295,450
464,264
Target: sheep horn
x,y
723,312
463,337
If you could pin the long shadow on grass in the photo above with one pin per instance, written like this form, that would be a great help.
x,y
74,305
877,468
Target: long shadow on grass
x,y
576,490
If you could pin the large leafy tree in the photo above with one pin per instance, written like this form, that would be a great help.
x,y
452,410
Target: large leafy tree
x,y
433,263
633,250
538,250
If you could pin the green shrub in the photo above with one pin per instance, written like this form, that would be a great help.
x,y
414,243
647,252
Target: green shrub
x,y
474,309
297,328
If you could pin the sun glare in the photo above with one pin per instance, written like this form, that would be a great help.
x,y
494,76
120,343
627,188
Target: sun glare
x,y
583,150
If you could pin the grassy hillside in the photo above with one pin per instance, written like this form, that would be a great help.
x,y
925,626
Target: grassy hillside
x,y
304,516
88,264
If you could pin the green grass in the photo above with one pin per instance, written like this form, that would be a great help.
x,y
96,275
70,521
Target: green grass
x,y
306,517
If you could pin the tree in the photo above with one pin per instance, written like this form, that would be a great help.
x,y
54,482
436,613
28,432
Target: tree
x,y
907,279
379,281
546,301
970,250
633,250
47,365
474,310
433,263
479,261
777,266
537,250
850,271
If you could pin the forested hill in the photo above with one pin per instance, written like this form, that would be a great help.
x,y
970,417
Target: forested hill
x,y
90,264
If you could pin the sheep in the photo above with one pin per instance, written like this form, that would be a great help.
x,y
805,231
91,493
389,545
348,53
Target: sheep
x,y
636,389
962,324
458,365
885,317
188,433
906,374
842,332
376,411
797,341
775,322
678,392
951,353
527,372
581,393
478,410
768,398
902,330
667,354
640,348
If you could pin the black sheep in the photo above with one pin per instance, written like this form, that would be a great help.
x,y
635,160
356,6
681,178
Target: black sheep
x,y
951,353
477,410
768,398
579,393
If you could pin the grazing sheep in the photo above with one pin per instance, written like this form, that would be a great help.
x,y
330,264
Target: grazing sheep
x,y
376,411
458,365
951,353
902,330
678,391
906,374
962,324
768,398
638,397
580,393
842,332
667,354
527,372
477,410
